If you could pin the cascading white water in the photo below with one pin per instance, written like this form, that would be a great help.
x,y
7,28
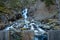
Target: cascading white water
x,y
26,25
24,14
25,21
25,11
16,25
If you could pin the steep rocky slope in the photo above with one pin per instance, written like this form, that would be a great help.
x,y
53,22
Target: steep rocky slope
x,y
41,12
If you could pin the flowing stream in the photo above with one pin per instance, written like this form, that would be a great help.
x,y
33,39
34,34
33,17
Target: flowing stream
x,y
32,24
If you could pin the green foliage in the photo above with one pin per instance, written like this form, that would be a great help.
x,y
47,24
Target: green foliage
x,y
14,4
21,3
4,10
1,4
48,2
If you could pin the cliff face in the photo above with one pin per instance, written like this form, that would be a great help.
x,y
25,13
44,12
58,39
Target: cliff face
x,y
42,12
58,6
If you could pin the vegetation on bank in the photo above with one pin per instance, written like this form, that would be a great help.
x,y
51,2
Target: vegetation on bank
x,y
9,6
48,2
10,10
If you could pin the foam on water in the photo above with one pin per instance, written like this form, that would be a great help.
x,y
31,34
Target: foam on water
x,y
25,25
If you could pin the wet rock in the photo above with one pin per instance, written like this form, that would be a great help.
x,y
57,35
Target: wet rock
x,y
3,19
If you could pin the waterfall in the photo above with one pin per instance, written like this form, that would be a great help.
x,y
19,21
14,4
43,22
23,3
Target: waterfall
x,y
34,25
24,14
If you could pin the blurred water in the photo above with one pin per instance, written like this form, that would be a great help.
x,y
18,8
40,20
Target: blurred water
x,y
34,25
